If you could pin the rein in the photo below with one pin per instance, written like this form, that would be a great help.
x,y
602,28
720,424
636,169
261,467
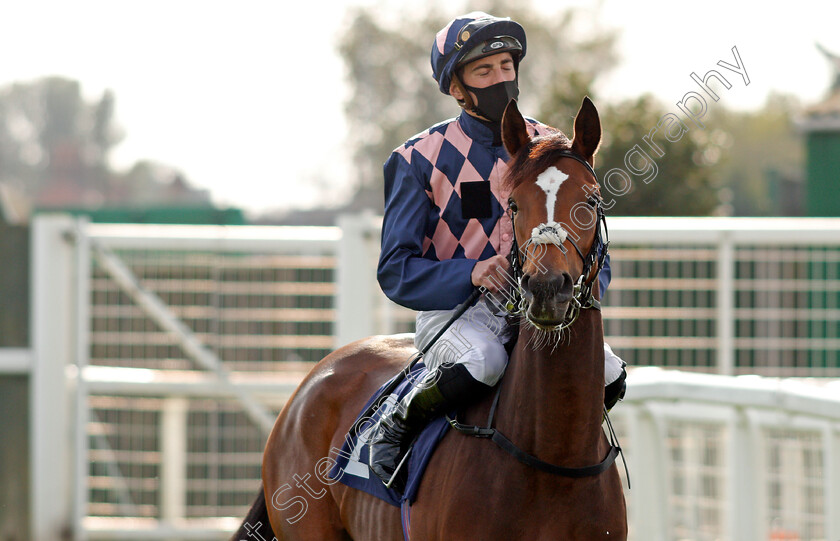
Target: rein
x,y
530,460
583,298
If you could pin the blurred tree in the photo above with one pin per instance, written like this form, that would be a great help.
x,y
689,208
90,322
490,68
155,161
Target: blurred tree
x,y
148,183
683,184
55,145
742,164
762,167
53,142
394,96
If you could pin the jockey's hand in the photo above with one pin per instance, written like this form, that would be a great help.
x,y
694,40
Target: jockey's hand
x,y
492,273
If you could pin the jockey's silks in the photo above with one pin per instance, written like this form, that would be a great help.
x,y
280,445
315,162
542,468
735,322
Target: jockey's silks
x,y
430,239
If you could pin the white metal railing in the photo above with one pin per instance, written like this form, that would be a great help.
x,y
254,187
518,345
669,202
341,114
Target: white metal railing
x,y
206,340
203,315
15,360
757,276
723,295
731,458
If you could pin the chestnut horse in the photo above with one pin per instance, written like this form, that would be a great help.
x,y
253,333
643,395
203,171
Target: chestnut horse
x,y
550,405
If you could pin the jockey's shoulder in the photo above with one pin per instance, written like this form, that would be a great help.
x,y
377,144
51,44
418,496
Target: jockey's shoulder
x,y
417,137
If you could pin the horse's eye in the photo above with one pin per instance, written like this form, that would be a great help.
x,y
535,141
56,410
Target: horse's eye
x,y
512,205
592,202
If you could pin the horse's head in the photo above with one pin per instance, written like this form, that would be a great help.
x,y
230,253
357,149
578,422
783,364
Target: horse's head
x,y
558,221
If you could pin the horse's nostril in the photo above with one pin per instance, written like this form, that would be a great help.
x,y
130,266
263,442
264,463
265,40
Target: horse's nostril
x,y
567,284
560,287
550,289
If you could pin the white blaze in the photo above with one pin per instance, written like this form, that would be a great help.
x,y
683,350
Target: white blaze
x,y
550,232
550,181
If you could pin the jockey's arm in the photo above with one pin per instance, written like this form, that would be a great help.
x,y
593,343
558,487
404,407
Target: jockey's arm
x,y
406,277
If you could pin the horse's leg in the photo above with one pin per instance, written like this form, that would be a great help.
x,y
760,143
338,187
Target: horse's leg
x,y
255,523
302,503
299,503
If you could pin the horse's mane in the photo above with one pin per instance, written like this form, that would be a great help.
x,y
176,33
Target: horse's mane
x,y
540,153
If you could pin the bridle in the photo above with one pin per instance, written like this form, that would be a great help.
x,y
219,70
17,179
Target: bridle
x,y
582,299
553,233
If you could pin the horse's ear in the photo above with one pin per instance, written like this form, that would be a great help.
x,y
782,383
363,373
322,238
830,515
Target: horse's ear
x,y
514,133
587,134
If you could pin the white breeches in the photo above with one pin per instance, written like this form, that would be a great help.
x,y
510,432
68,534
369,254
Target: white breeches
x,y
477,340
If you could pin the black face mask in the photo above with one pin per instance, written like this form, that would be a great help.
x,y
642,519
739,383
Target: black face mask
x,y
492,100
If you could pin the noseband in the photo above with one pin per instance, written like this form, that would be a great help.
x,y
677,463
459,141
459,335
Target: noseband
x,y
553,233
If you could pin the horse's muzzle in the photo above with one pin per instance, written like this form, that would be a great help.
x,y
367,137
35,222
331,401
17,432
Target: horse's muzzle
x,y
547,298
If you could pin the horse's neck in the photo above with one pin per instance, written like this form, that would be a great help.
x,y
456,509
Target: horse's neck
x,y
552,401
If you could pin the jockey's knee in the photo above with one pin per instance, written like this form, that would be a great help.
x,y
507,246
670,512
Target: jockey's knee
x,y
486,362
613,365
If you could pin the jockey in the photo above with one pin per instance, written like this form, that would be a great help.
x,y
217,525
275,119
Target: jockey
x,y
445,232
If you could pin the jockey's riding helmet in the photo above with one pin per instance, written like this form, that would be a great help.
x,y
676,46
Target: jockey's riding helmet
x,y
470,37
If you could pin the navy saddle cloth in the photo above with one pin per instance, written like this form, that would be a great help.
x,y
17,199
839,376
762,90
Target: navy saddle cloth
x,y
351,466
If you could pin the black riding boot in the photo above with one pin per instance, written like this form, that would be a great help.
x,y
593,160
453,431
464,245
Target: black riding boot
x,y
615,390
449,387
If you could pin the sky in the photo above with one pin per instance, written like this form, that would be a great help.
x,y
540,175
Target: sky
x,y
246,98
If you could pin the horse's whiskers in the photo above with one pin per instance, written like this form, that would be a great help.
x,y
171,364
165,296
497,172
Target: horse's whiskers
x,y
544,338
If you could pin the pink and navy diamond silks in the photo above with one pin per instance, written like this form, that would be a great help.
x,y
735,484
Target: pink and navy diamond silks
x,y
444,209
